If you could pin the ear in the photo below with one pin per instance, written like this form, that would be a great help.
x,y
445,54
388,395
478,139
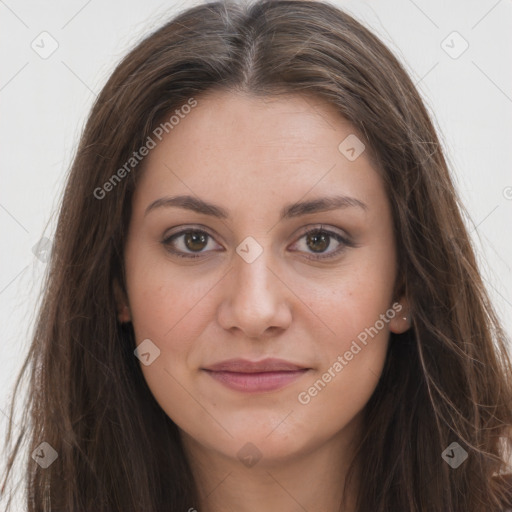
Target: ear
x,y
123,310
402,321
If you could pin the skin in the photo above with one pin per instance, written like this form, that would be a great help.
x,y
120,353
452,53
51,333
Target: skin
x,y
253,156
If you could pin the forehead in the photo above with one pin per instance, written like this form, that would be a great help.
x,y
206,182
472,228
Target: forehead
x,y
286,126
237,146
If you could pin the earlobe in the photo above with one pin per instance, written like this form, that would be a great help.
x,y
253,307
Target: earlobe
x,y
123,310
124,315
402,320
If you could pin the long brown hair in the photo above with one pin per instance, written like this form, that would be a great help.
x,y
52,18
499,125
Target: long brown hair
x,y
447,380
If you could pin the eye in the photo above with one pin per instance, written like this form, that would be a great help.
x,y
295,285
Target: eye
x,y
319,240
194,240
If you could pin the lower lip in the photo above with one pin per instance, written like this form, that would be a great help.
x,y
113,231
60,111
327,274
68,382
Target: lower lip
x,y
254,382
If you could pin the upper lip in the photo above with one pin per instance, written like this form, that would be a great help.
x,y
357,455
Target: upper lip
x,y
246,366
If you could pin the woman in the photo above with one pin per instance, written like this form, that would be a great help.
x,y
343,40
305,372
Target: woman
x,y
262,295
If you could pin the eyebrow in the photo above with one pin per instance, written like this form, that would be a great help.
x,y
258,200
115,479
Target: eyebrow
x,y
197,205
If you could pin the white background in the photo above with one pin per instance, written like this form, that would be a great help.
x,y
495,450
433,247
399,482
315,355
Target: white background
x,y
44,103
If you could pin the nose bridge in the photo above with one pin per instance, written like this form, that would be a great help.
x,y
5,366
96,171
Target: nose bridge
x,y
252,267
255,298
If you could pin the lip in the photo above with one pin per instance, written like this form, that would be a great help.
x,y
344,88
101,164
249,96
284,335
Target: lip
x,y
246,366
255,376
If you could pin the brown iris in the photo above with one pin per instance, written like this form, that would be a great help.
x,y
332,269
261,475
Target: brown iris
x,y
318,240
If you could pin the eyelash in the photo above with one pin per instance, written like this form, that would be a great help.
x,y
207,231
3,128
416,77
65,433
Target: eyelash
x,y
344,242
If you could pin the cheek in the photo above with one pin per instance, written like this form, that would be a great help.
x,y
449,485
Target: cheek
x,y
167,306
333,400
352,300
352,360
357,308
171,311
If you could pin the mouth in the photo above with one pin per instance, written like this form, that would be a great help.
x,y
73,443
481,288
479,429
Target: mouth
x,y
255,376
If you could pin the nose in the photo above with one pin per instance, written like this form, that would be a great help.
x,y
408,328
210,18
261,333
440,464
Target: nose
x,y
256,301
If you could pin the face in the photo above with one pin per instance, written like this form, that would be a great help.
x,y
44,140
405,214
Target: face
x,y
266,320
